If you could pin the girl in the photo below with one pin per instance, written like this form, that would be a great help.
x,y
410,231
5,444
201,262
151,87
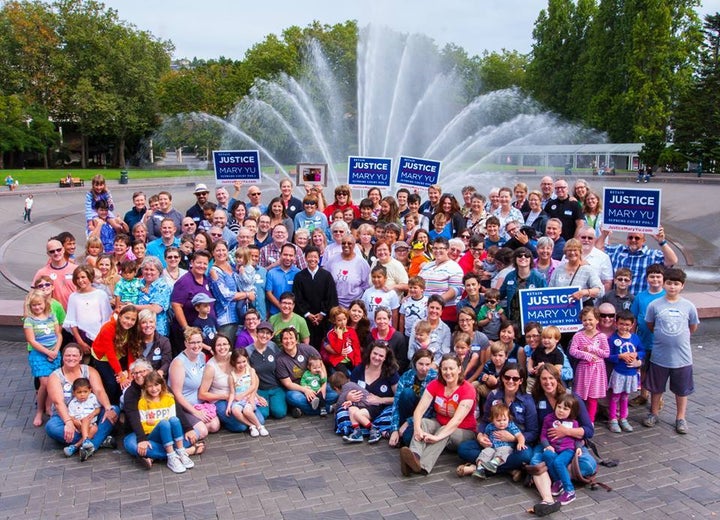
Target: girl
x,y
159,419
358,320
243,400
559,450
469,360
43,335
507,334
341,348
590,347
245,280
44,284
626,355
97,193
93,249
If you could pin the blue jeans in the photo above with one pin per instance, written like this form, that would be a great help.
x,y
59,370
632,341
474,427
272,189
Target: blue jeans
x,y
156,451
55,429
297,399
557,467
469,451
587,463
230,423
277,405
406,401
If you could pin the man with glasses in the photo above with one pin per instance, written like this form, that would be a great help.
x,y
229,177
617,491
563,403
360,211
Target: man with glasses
x,y
598,260
195,212
189,226
280,280
270,255
637,256
546,188
167,239
520,237
59,270
254,195
565,209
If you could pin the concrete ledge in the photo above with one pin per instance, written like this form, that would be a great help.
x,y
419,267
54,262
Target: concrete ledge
x,y
11,312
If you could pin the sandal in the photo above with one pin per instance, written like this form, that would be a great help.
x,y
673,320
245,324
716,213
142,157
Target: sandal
x,y
465,470
146,462
544,508
197,449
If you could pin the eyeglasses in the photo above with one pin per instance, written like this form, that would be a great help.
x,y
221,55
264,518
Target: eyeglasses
x,y
216,234
53,251
139,372
523,255
188,224
172,257
439,248
604,315
514,379
622,279
491,301
465,237
589,237
511,231
561,188
477,249
338,231
532,336
255,193
346,243
44,285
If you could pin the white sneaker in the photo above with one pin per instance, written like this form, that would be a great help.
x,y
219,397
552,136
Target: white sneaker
x,y
263,431
185,458
254,432
175,464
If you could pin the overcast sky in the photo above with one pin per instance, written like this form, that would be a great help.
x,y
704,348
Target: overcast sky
x,y
215,28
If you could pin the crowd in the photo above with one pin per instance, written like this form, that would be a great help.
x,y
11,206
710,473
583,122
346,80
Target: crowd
x,y
398,316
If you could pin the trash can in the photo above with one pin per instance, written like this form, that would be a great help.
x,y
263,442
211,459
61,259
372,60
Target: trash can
x,y
124,177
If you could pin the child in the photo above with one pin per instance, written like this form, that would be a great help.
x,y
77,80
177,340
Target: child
x,y
490,372
672,319
208,212
44,337
128,287
547,352
490,315
341,348
243,400
315,379
492,233
379,296
559,451
620,296
421,338
84,409
360,412
489,267
441,227
29,201
413,307
469,361
93,248
98,193
245,280
591,348
626,354
494,456
160,422
204,321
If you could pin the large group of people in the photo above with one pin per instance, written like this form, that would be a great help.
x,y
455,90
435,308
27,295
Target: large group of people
x,y
398,316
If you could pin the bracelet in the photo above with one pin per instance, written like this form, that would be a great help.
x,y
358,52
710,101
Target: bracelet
x,y
664,242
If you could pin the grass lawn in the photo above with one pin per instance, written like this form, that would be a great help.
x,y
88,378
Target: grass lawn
x,y
53,176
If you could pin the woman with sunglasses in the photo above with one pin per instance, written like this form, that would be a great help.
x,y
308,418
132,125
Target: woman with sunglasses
x,y
523,277
343,200
576,273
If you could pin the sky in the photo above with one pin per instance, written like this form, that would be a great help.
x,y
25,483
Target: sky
x,y
215,28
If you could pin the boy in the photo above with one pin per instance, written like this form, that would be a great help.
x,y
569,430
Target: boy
x,y
208,212
620,296
420,338
360,413
204,321
287,318
489,268
672,319
471,281
492,233
414,209
490,372
413,307
548,352
491,458
84,409
378,296
490,314
128,287
314,379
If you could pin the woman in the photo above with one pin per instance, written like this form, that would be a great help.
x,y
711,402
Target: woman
x,y
521,203
224,287
536,218
202,241
410,388
140,232
449,206
60,426
319,240
475,221
467,323
155,293
87,309
349,270
277,214
592,209
263,355
192,283
156,348
397,277
248,335
360,322
545,264
506,212
108,275
375,195
292,205
301,238
547,389
443,277
511,391
384,332
533,330
440,336
172,271
523,277
185,376
238,211
453,399
342,201
580,191
122,248
389,211
575,273
365,234
115,347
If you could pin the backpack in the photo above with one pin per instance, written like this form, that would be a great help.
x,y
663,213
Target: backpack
x,y
590,480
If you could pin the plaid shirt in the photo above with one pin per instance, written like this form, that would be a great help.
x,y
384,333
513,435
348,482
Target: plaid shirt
x,y
638,262
270,254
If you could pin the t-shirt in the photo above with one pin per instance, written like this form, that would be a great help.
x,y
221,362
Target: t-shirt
x,y
312,381
81,409
445,407
294,367
296,321
671,342
375,298
555,357
414,311
44,330
152,412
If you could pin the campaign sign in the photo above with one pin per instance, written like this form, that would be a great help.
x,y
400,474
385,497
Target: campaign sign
x,y
368,172
551,306
236,165
421,173
631,209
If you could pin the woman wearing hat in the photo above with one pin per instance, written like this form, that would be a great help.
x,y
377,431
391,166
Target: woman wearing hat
x,y
263,357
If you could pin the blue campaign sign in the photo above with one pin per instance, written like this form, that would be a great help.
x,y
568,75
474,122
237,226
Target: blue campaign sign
x,y
236,165
631,210
551,306
367,172
421,173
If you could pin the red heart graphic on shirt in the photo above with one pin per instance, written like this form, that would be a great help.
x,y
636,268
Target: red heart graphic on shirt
x,y
378,300
344,272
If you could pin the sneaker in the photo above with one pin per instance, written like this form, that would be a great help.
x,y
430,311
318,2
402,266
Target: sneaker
x,y
315,403
625,425
355,436
650,421
681,426
109,443
175,464
296,413
614,426
640,400
323,412
374,436
556,489
263,431
567,497
254,432
70,450
185,458
86,450
491,465
480,473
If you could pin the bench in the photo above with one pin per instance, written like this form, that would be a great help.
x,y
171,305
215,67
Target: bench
x,y
75,182
526,170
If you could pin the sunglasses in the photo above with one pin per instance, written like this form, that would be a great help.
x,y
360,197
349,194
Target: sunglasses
x,y
604,315
44,285
342,194
53,251
346,243
255,194
172,257
465,237
634,239
622,279
514,379
310,203
491,301
524,255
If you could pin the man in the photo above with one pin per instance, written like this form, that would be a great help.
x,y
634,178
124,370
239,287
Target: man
x,y
553,229
519,237
598,260
280,278
220,220
189,226
195,212
167,239
310,218
429,206
244,237
565,209
546,188
636,256
165,210
60,270
137,213
254,195
270,254
402,199
224,201
262,234
287,318
315,294
252,224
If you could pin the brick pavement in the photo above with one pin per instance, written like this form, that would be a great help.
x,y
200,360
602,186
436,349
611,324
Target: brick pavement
x,y
303,471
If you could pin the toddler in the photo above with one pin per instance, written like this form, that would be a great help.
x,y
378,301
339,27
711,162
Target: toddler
x,y
84,409
494,456
360,412
314,378
243,399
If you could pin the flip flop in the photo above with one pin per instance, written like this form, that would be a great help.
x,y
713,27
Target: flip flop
x,y
464,470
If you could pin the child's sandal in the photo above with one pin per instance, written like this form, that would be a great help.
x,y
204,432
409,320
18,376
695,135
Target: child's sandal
x,y
465,470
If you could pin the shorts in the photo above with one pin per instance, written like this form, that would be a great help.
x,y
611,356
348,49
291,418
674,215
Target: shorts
x,y
681,380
